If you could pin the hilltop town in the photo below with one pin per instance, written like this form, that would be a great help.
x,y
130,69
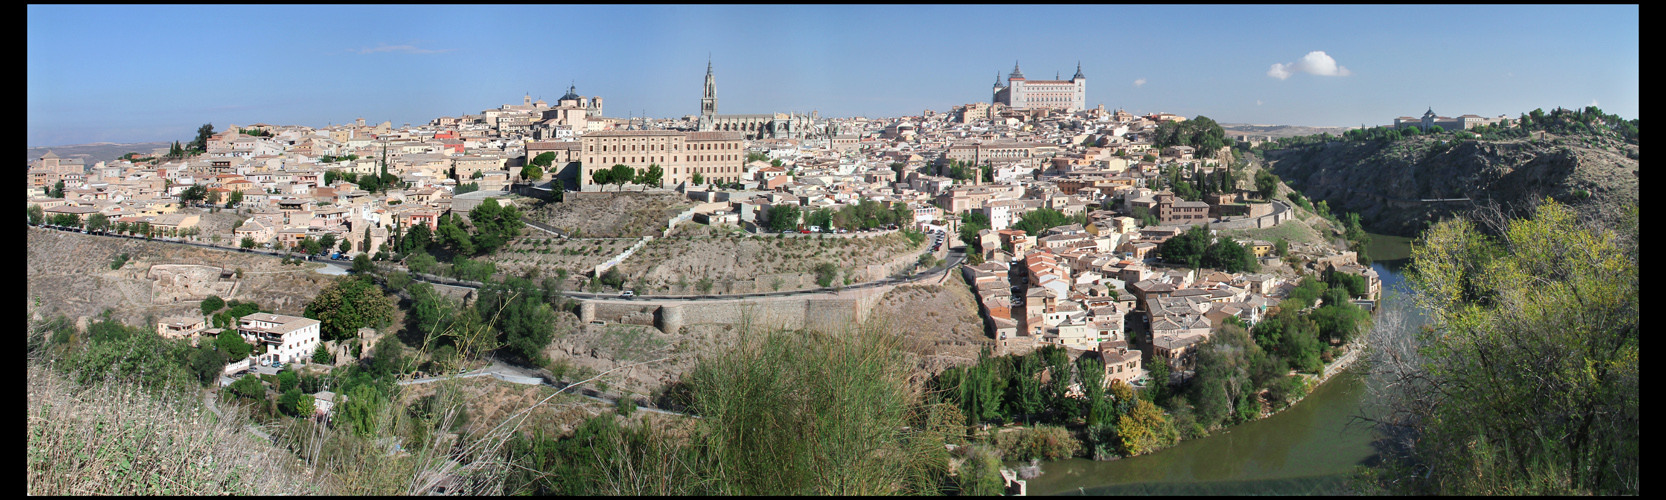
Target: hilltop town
x,y
1059,210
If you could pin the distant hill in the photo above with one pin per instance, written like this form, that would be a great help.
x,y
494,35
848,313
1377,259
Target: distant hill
x,y
1277,131
1386,182
98,151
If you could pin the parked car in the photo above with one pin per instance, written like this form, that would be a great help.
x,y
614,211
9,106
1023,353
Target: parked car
x,y
627,294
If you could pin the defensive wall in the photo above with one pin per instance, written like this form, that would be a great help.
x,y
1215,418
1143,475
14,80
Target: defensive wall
x,y
817,311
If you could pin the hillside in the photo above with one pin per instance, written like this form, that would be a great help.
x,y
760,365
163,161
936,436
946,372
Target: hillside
x,y
1385,181
96,152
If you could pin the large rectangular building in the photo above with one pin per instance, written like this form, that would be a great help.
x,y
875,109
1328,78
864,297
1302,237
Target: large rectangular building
x,y
1021,93
716,156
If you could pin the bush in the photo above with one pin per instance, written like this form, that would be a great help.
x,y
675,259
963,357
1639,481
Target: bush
x,y
624,406
980,475
211,304
1047,442
248,387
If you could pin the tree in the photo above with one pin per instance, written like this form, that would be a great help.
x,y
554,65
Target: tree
x,y
532,172
37,215
362,264
390,357
623,174
97,223
232,344
248,387
287,380
211,304
543,160
193,194
1266,183
697,179
327,242
309,246
1526,381
346,246
1145,429
348,304
654,175
417,240
248,242
603,177
234,199
322,356
295,404
1186,248
203,134
783,217
207,363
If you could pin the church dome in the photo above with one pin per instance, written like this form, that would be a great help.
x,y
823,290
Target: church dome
x,y
572,94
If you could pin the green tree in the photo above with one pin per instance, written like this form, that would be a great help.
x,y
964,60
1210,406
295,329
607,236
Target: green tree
x,y
532,172
211,304
1526,381
195,193
322,356
1186,248
57,190
362,264
200,144
543,160
248,387
287,380
654,175
622,174
248,242
348,304
697,179
346,246
602,177
1266,183
232,344
97,222
1145,429
37,215
295,404
783,217
234,199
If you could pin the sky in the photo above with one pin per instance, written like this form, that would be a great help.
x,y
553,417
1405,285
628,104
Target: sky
x,y
141,73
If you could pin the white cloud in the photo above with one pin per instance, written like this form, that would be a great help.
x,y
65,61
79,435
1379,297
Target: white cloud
x,y
1257,102
408,49
1139,82
1314,63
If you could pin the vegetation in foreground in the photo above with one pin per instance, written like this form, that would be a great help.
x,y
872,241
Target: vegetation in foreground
x,y
1526,380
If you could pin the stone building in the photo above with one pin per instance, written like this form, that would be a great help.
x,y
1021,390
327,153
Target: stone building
x,y
755,126
1021,93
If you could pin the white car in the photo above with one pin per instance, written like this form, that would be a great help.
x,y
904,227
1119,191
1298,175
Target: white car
x,y
627,294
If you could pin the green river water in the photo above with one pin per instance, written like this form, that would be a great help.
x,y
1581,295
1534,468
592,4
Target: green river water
x,y
1308,449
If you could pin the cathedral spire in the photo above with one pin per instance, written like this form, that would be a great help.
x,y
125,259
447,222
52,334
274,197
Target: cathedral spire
x,y
1078,72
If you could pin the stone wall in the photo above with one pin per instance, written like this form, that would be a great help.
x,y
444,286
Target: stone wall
x,y
826,312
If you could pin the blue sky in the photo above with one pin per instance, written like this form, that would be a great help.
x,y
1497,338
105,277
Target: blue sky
x,y
155,73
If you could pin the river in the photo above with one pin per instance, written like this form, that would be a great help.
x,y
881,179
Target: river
x,y
1308,449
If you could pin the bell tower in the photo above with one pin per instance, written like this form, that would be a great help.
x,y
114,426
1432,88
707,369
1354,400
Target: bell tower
x,y
708,100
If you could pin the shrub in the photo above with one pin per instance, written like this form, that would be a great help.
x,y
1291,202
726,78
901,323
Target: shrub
x,y
248,387
1046,442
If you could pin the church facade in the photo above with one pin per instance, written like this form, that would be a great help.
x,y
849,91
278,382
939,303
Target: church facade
x,y
756,126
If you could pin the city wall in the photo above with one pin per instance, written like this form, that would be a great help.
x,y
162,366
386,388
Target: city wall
x,y
820,311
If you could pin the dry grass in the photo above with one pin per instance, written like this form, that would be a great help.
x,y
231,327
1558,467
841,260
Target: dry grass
x,y
115,439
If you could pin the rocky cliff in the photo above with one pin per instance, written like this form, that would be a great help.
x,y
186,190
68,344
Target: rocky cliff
x,y
1389,183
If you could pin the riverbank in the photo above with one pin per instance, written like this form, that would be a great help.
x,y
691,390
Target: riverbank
x,y
1307,447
